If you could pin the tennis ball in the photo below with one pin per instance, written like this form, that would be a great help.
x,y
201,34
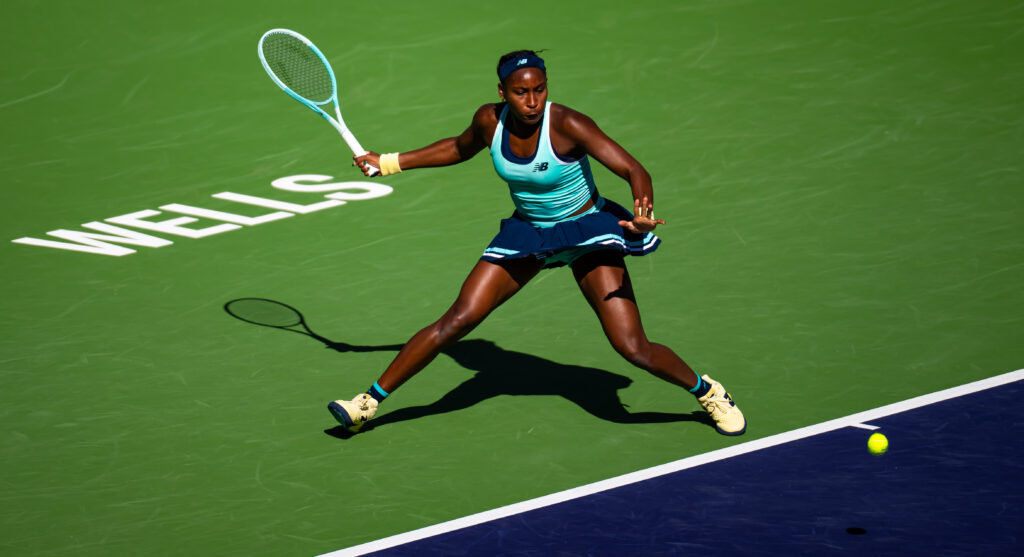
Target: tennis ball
x,y
877,443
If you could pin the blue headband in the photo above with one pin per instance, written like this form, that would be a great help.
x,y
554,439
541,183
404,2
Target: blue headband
x,y
519,62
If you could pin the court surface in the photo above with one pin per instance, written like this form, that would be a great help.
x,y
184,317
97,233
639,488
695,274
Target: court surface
x,y
813,491
843,197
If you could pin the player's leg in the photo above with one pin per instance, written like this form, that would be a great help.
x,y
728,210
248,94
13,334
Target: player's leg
x,y
487,287
605,282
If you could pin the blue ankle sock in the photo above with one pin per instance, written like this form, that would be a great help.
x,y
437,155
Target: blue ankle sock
x,y
377,393
701,388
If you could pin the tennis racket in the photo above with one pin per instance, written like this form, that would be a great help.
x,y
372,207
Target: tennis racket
x,y
299,68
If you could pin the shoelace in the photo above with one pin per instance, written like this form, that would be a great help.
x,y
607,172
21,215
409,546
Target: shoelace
x,y
719,405
364,404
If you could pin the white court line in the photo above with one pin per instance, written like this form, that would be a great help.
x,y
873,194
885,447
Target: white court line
x,y
865,426
853,420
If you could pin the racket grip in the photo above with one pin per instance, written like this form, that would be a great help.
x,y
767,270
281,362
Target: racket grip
x,y
358,150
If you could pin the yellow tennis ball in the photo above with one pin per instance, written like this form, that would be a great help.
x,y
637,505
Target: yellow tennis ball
x,y
877,443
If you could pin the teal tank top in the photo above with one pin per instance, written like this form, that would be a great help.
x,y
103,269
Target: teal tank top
x,y
545,187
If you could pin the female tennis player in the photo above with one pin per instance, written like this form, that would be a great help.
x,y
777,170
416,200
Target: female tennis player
x,y
543,150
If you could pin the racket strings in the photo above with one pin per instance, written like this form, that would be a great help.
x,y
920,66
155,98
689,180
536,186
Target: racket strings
x,y
298,67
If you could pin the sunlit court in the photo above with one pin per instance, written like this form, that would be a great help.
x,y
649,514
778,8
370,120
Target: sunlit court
x,y
194,268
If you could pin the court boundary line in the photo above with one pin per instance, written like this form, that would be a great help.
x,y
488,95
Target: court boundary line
x,y
852,420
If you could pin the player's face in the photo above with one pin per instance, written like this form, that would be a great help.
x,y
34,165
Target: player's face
x,y
526,92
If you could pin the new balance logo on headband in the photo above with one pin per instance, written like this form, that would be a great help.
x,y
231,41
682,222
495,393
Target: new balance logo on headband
x,y
523,61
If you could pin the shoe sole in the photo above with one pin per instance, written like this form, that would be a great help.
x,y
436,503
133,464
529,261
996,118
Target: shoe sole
x,y
342,417
732,433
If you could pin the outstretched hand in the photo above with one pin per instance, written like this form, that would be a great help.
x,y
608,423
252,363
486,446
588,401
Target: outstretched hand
x,y
643,218
370,158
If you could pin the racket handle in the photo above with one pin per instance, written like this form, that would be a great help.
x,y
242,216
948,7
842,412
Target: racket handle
x,y
353,144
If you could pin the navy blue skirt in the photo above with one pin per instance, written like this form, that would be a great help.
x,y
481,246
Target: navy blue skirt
x,y
566,241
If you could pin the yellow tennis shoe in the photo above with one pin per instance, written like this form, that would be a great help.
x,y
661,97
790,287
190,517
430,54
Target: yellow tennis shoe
x,y
728,418
353,414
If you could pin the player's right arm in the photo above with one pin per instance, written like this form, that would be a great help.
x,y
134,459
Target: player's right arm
x,y
448,151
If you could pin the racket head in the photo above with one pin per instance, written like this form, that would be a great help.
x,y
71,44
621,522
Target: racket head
x,y
269,313
298,67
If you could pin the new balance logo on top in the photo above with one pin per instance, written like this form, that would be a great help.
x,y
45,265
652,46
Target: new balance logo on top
x,y
540,167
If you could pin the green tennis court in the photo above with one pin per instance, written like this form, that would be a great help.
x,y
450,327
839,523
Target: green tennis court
x,y
842,184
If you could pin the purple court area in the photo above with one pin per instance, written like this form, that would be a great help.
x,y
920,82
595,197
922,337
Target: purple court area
x,y
952,483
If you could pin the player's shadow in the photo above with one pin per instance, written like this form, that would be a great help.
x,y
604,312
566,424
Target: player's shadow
x,y
497,372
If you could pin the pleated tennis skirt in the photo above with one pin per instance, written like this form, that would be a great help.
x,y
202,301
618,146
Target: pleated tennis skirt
x,y
568,240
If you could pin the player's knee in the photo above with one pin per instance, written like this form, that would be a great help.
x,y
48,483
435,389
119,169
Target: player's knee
x,y
457,323
635,351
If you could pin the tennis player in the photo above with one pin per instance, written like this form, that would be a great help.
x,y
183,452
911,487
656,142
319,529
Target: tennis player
x,y
543,151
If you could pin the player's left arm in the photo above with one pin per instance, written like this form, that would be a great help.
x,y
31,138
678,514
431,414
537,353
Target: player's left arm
x,y
585,133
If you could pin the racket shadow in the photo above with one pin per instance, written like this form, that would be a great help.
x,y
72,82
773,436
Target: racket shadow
x,y
497,372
